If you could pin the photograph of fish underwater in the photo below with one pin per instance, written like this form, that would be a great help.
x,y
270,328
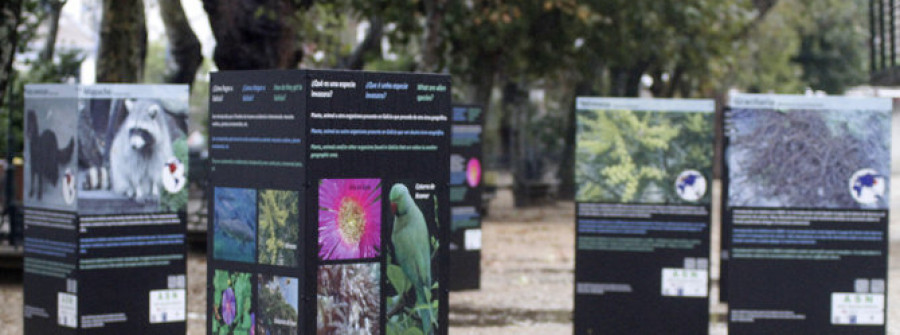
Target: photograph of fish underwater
x,y
234,224
809,158
132,155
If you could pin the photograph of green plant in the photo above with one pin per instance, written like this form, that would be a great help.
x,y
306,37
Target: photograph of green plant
x,y
636,156
232,303
279,224
807,158
278,305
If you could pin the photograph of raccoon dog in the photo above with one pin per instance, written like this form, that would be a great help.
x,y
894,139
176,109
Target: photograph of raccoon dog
x,y
132,155
50,146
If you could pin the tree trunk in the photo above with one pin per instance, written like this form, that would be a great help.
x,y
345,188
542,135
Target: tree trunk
x,y
254,34
482,82
10,17
633,83
123,42
55,9
183,43
432,39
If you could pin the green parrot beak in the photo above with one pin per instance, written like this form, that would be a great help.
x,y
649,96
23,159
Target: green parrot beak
x,y
394,208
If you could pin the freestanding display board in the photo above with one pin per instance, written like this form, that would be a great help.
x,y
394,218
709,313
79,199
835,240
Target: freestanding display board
x,y
105,197
465,197
329,203
643,168
807,185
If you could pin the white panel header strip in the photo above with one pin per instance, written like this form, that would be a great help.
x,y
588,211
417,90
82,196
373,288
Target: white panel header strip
x,y
783,101
646,104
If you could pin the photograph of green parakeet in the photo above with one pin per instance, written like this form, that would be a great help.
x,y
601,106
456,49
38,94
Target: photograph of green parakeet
x,y
412,246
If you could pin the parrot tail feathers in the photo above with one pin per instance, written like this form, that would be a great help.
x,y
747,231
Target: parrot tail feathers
x,y
425,314
423,305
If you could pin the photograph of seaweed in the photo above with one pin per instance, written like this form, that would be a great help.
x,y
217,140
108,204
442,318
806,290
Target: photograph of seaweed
x,y
279,223
348,299
412,302
233,303
349,218
278,305
807,158
636,156
234,224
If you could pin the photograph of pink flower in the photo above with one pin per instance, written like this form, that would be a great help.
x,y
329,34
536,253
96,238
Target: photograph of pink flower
x,y
349,218
473,172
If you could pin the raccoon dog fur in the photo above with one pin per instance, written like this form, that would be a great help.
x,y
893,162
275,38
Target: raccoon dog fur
x,y
139,150
45,155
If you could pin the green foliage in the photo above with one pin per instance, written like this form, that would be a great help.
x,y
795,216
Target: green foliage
x,y
272,306
833,44
155,64
801,43
397,278
64,69
200,98
239,282
632,156
279,223
764,59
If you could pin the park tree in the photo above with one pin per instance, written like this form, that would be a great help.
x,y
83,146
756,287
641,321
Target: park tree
x,y
256,34
53,8
328,26
12,19
123,42
763,62
833,44
183,43
19,26
803,44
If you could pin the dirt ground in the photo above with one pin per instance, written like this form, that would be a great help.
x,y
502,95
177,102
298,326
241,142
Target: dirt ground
x,y
527,278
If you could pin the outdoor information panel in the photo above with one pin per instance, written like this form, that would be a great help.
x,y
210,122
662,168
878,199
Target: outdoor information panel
x,y
806,214
105,197
465,197
643,169
329,203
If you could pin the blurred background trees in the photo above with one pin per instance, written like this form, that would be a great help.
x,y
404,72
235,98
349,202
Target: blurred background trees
x,y
526,61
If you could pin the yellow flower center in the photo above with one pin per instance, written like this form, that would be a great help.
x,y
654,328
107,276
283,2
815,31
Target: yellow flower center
x,y
351,221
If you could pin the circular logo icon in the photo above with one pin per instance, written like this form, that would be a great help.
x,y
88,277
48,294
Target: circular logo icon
x,y
867,186
68,187
473,172
690,185
173,179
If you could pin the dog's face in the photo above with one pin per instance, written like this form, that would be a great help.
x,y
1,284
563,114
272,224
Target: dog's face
x,y
144,124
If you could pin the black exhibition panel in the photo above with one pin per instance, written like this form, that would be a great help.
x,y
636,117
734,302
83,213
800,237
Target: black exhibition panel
x,y
807,189
105,200
466,172
329,202
643,173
